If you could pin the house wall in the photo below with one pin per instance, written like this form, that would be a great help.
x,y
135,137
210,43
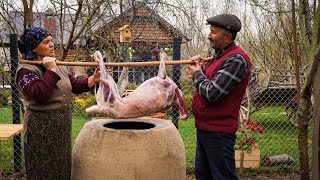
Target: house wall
x,y
51,24
79,55
75,55
148,28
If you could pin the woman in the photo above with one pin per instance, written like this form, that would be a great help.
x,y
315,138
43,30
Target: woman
x,y
47,93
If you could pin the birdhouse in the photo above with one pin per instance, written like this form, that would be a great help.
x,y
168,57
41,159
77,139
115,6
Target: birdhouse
x,y
125,33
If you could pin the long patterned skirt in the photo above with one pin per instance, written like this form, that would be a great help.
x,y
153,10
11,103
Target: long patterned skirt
x,y
48,144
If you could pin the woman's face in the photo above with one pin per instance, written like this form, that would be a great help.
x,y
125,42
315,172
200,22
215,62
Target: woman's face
x,y
45,48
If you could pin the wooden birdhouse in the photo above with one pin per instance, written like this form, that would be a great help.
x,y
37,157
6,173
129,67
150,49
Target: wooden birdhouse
x,y
125,33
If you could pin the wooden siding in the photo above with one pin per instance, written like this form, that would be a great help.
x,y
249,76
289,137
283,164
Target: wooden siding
x,y
147,26
149,31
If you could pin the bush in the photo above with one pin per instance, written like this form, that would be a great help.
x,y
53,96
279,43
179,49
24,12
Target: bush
x,y
132,86
80,104
189,101
4,97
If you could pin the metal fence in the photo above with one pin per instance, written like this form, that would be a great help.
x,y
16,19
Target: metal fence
x,y
268,116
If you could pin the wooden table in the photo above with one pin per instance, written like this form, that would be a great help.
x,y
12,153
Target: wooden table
x,y
7,131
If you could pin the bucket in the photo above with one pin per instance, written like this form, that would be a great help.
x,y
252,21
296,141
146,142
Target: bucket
x,y
138,148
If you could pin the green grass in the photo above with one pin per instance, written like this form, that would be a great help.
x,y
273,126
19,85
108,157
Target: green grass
x,y
280,138
188,135
6,147
77,124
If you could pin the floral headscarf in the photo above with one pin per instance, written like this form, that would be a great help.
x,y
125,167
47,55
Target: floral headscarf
x,y
30,39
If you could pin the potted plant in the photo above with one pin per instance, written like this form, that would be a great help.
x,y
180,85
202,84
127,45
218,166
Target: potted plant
x,y
247,147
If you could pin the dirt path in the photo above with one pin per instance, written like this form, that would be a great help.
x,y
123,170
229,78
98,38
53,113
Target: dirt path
x,y
291,176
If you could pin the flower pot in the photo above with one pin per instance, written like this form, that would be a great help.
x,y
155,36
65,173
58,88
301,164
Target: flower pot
x,y
250,159
139,148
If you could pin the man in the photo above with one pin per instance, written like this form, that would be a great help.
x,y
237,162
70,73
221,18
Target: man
x,y
220,87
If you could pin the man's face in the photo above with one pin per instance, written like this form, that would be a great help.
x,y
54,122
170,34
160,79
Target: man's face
x,y
218,37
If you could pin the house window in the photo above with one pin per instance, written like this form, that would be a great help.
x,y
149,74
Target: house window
x,y
116,71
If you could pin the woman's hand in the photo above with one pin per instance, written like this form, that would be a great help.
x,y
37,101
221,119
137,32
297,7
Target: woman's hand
x,y
96,75
95,78
49,63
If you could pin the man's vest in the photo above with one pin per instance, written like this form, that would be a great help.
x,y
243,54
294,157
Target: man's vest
x,y
222,115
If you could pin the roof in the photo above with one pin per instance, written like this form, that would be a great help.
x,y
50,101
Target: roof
x,y
124,27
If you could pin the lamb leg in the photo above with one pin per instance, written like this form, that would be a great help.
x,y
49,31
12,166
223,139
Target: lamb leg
x,y
182,104
109,86
162,67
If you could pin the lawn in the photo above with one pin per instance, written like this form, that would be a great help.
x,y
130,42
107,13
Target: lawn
x,y
280,136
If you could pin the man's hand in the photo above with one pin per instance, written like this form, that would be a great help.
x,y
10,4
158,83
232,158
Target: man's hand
x,y
197,66
49,63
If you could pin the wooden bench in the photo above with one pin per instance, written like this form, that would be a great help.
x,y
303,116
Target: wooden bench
x,y
7,131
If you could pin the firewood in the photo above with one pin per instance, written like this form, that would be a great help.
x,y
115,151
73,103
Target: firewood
x,y
278,160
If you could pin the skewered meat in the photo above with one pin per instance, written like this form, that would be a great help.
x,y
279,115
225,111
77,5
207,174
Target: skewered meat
x,y
153,95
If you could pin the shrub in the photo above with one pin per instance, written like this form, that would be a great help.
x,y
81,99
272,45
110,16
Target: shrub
x,y
80,104
4,97
189,100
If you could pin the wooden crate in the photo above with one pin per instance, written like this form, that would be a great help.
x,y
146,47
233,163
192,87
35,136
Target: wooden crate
x,y
251,159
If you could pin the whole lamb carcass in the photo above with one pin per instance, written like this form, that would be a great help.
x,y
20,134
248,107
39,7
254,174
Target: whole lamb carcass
x,y
153,95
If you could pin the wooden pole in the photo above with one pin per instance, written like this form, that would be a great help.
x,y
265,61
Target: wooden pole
x,y
176,72
116,64
302,120
15,103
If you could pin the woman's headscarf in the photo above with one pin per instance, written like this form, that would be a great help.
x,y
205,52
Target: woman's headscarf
x,y
30,39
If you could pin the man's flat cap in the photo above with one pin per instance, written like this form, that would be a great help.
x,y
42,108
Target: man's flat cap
x,y
229,22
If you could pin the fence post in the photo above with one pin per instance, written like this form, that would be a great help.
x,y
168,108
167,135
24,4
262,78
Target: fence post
x,y
15,101
176,76
315,128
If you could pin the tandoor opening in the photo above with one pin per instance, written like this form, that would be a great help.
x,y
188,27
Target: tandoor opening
x,y
129,125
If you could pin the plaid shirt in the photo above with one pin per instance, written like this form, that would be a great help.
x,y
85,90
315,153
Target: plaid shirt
x,y
229,75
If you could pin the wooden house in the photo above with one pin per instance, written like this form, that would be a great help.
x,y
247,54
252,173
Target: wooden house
x,y
150,32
